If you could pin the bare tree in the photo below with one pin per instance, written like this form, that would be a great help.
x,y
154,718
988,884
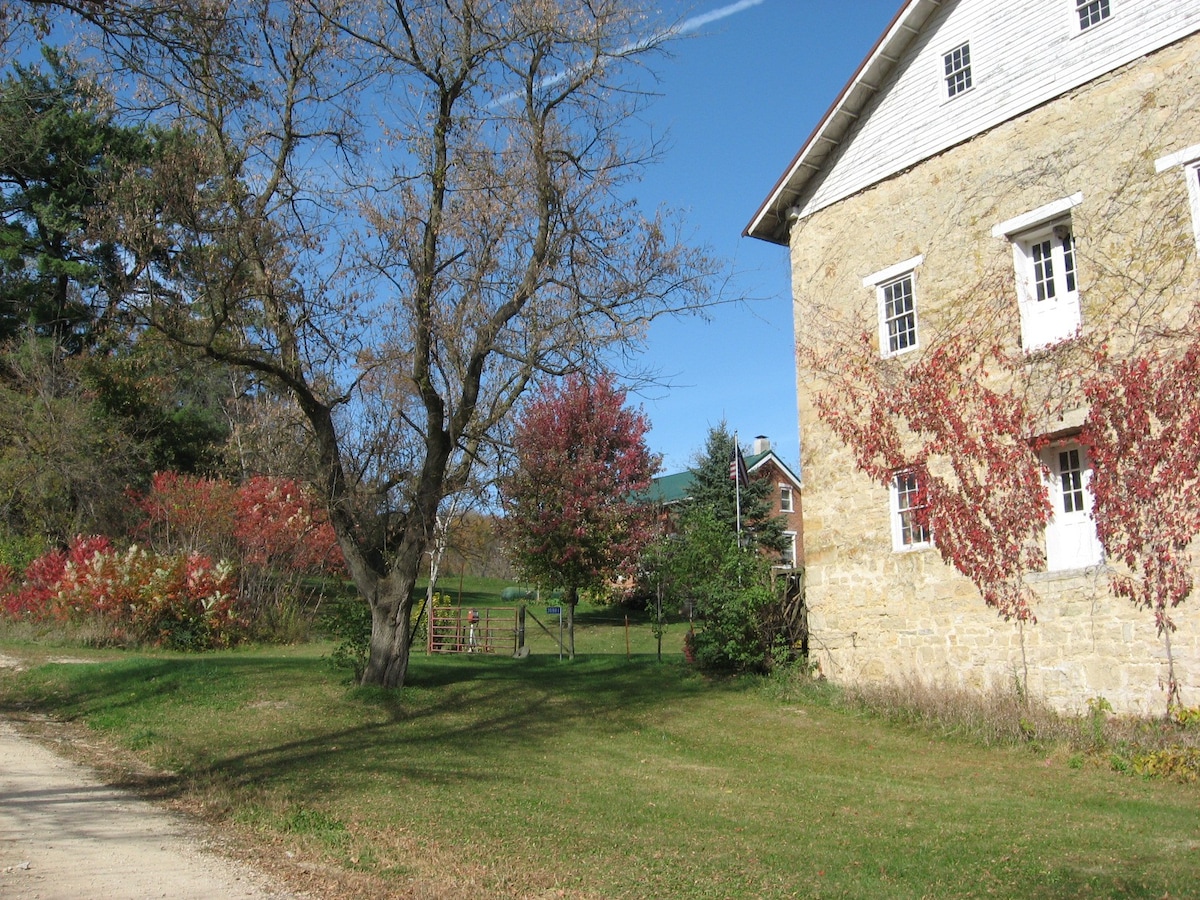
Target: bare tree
x,y
401,214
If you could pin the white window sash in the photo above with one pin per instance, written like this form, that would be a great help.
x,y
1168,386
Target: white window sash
x,y
880,281
1188,160
897,521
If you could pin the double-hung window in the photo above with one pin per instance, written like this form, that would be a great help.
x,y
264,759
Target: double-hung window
x,y
1092,12
1051,255
1046,264
957,69
1188,161
785,498
910,531
899,314
896,293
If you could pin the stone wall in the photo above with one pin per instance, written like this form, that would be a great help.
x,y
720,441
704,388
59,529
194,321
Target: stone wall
x,y
877,614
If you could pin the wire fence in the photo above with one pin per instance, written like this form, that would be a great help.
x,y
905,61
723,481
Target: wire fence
x,y
544,630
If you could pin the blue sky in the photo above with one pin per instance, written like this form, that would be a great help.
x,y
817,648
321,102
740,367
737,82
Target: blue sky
x,y
739,97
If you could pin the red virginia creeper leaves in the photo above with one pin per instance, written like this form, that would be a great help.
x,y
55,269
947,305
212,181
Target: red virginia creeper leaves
x,y
1143,434
969,443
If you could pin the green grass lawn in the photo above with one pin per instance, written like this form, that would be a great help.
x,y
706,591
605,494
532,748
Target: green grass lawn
x,y
608,777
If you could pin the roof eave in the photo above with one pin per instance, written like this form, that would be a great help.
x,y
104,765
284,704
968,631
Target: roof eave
x,y
772,222
772,456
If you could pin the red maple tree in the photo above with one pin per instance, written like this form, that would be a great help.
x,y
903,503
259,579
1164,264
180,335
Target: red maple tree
x,y
574,517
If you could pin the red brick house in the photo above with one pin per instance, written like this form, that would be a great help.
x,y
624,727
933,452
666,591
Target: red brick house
x,y
761,463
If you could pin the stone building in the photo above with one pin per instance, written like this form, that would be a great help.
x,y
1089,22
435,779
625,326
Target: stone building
x,y
1026,172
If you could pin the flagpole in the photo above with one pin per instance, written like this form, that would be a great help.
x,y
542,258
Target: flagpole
x,y
737,487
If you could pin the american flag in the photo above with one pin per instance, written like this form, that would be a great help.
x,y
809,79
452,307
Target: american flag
x,y
737,466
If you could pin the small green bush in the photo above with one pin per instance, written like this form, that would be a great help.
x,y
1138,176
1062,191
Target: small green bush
x,y
18,551
348,621
1179,763
740,628
1186,717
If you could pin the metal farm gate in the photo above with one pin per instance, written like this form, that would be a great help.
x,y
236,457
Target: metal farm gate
x,y
489,630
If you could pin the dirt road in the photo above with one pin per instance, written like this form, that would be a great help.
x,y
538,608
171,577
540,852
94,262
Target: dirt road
x,y
66,836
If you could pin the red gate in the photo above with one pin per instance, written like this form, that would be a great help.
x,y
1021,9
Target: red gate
x,y
482,630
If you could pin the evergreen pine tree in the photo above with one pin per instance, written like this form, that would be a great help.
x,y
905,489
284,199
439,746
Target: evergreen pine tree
x,y
713,488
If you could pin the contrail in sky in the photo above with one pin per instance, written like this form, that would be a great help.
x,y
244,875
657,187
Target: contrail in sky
x,y
716,15
684,27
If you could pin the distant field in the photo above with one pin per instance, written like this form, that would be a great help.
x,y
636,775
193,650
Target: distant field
x,y
607,778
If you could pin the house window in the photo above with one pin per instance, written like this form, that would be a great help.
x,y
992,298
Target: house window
x,y
1091,12
1045,260
909,530
785,498
958,70
1047,290
1070,476
1071,541
895,289
1053,256
1189,161
789,550
899,315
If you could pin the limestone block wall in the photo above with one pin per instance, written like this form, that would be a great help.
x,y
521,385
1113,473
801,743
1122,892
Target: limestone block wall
x,y
877,614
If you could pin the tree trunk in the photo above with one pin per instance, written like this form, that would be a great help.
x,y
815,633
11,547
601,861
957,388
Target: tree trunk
x,y
391,621
387,664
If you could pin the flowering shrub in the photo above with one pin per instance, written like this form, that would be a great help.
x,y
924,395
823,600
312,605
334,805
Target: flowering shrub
x,y
167,591
182,601
270,528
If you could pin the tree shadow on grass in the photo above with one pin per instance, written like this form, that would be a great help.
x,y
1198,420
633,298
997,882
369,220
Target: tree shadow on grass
x,y
454,716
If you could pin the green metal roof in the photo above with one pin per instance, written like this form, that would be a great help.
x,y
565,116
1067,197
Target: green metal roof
x,y
674,488
671,488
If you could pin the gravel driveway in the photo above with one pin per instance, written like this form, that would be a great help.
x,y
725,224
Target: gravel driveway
x,y
64,836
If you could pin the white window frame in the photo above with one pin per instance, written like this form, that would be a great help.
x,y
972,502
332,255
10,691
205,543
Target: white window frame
x,y
1080,7
1045,321
882,281
789,554
786,500
1188,160
1071,541
952,78
903,532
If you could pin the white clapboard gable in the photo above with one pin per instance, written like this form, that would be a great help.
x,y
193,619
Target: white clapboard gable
x,y
895,112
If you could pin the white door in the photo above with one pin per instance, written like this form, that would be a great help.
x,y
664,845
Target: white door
x,y
1071,541
1049,296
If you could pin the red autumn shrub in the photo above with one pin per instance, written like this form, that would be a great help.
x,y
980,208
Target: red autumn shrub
x,y
180,600
268,522
187,514
270,530
34,599
280,527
